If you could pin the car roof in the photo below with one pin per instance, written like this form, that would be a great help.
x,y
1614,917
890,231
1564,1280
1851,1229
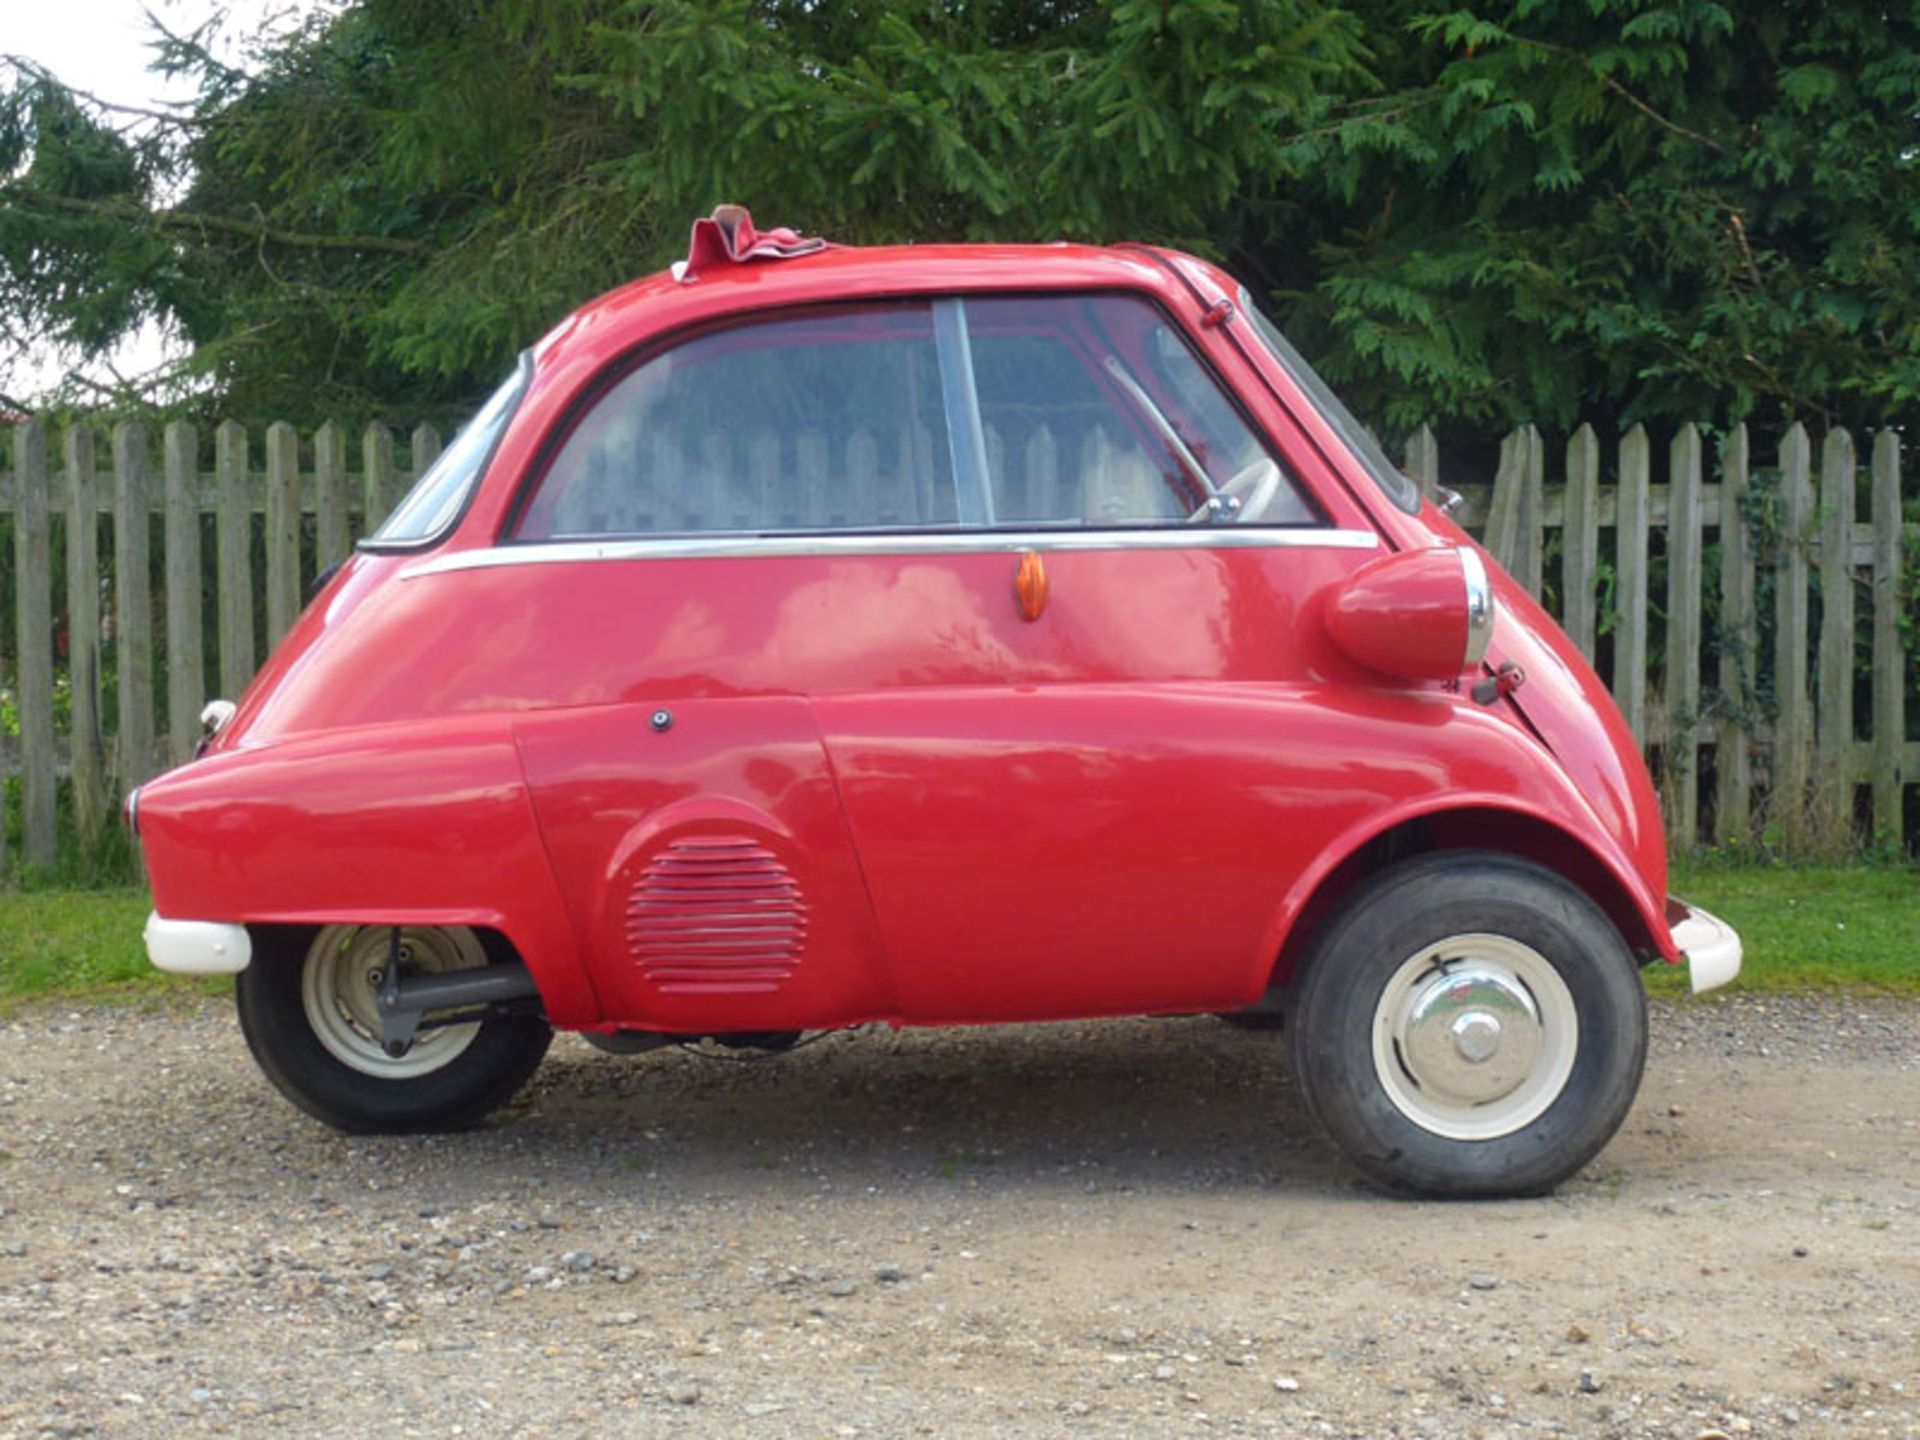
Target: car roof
x,y
662,302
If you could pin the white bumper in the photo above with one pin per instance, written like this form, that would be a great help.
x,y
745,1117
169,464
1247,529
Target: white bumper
x,y
197,947
1712,948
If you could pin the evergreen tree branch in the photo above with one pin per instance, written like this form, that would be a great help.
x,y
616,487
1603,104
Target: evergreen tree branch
x,y
39,73
1654,115
220,224
1613,84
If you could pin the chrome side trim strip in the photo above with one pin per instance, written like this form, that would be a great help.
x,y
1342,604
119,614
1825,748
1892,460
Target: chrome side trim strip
x,y
1479,606
972,542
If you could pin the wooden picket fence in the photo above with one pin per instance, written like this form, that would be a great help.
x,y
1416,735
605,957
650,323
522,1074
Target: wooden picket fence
x,y
1750,722
1747,710
239,546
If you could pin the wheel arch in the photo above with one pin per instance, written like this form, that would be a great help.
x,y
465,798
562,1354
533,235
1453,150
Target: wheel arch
x,y
281,935
1503,829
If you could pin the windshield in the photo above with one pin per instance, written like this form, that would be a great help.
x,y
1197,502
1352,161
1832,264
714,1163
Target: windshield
x,y
439,495
1388,476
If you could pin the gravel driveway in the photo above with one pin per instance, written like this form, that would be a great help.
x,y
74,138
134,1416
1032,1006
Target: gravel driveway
x,y
1125,1228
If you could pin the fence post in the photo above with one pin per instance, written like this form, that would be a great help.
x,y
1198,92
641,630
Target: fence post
x,y
376,457
1682,688
763,471
1835,730
186,663
283,530
33,575
1630,588
235,531
647,485
1423,461
83,635
1503,505
333,533
863,468
1733,759
1582,548
424,449
1530,526
1889,665
132,604
1791,728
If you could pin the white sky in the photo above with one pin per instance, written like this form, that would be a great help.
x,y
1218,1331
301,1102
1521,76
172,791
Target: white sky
x,y
99,45
104,47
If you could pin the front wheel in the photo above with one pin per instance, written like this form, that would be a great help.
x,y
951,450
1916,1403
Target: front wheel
x,y
1469,1024
308,1011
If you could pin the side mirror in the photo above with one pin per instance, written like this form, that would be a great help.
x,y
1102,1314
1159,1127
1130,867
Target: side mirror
x,y
1417,615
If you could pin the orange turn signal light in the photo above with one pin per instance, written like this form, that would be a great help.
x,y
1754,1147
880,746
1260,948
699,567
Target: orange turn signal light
x,y
1030,585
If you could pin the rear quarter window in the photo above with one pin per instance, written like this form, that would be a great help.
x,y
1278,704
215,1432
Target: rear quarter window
x,y
438,497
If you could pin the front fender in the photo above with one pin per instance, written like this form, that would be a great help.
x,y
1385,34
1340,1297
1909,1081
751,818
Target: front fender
x,y
1546,806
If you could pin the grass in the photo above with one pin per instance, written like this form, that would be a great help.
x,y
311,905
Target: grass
x,y
75,945
1806,928
1811,927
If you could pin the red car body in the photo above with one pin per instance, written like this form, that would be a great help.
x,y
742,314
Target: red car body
x,y
773,785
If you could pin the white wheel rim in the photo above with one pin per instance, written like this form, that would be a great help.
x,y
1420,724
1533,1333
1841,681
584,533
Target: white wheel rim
x,y
339,996
1474,1037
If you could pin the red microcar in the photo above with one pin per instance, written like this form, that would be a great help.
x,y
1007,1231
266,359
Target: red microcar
x,y
815,635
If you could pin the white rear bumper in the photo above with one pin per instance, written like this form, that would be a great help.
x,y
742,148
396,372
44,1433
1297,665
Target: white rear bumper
x,y
1712,948
197,947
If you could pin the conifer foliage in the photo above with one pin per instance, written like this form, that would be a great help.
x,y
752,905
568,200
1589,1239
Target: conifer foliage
x,y
1527,210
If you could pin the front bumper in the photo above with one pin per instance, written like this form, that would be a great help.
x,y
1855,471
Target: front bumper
x,y
197,947
1711,947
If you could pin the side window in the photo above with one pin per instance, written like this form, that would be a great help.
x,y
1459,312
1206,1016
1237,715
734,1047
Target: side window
x,y
1059,451
1055,411
829,419
1095,412
429,509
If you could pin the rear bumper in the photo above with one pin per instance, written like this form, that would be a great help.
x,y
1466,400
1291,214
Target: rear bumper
x,y
197,947
1711,947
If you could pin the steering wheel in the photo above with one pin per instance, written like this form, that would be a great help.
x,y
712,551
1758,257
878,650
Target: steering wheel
x,y
1243,497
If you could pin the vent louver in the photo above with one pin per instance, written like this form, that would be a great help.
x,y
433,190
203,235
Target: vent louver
x,y
716,913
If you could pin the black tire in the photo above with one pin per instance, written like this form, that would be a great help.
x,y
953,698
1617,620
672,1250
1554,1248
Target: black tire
x,y
501,1055
1369,1000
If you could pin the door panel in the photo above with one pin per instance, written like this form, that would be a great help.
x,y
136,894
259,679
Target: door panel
x,y
1097,802
707,864
1110,845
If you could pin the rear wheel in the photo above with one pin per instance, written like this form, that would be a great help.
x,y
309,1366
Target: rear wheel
x,y
307,1009
1469,1024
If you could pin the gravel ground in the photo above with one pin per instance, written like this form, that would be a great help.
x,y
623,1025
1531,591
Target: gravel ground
x,y
1125,1228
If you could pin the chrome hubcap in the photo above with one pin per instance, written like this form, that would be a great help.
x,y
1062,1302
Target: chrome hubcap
x,y
1475,1037
1471,1033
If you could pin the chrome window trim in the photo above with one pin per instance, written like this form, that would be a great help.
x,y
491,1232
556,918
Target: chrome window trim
x,y
966,437
969,542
